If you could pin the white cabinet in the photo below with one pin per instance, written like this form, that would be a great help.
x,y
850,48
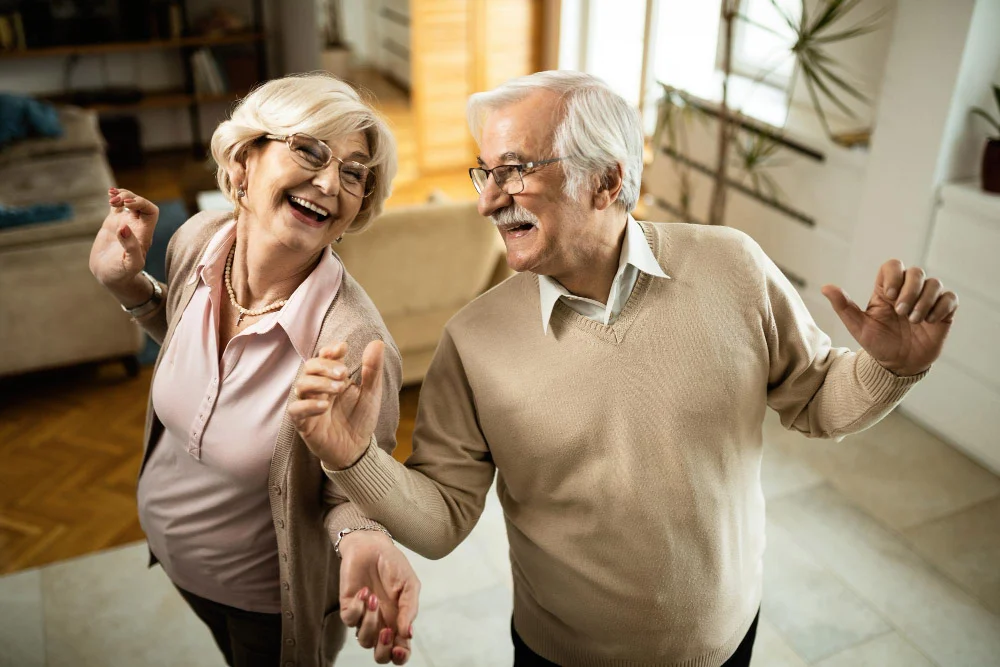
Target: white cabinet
x,y
960,398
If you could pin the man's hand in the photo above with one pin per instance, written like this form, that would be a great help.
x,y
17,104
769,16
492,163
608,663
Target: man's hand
x,y
334,416
379,594
907,319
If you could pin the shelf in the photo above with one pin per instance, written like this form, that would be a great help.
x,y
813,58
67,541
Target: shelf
x,y
129,47
161,99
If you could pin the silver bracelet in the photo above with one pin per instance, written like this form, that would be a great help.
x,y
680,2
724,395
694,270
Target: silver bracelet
x,y
348,531
150,304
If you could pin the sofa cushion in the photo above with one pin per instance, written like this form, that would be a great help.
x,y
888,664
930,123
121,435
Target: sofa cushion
x,y
88,215
55,178
423,258
81,133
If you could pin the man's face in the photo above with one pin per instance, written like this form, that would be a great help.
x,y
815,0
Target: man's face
x,y
539,225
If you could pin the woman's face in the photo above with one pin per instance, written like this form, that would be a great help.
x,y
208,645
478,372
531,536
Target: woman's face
x,y
277,187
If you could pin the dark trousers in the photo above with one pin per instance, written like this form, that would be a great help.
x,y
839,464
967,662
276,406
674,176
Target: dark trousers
x,y
525,657
246,638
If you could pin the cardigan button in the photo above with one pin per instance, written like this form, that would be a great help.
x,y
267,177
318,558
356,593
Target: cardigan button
x,y
290,641
285,585
276,489
281,523
289,615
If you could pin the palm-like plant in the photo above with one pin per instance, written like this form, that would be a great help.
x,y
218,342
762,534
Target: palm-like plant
x,y
825,79
994,122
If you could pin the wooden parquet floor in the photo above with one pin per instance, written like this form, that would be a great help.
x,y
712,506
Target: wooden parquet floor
x,y
71,439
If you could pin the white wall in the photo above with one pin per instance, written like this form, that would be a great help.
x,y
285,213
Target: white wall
x,y
921,123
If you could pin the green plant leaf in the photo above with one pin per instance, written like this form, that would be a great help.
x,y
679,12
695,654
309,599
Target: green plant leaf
x,y
837,80
788,18
817,106
812,78
996,94
749,21
979,111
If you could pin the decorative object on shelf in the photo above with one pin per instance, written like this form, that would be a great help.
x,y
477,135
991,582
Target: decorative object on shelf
x,y
991,153
221,21
336,56
12,32
809,36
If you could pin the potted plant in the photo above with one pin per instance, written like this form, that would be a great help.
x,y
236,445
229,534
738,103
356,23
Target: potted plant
x,y
336,57
991,155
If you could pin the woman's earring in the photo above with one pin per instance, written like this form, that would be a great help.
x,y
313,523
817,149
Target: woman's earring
x,y
241,193
338,239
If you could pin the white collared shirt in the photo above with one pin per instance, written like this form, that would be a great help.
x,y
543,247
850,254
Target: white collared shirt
x,y
636,256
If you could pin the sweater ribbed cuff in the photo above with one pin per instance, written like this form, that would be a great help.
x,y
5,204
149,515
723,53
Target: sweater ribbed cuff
x,y
370,479
883,385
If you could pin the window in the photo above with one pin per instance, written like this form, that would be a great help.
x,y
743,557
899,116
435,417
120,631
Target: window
x,y
762,42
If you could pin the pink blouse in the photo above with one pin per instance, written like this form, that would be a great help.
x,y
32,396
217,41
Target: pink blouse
x,y
203,499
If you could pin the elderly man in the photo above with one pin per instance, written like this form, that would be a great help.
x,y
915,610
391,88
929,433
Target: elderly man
x,y
617,386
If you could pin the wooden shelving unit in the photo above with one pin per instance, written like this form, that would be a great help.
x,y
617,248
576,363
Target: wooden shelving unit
x,y
131,47
183,97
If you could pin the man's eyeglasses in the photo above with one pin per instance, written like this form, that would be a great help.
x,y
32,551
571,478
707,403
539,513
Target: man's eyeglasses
x,y
508,177
315,155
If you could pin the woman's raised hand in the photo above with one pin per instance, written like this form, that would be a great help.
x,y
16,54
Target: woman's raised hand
x,y
119,251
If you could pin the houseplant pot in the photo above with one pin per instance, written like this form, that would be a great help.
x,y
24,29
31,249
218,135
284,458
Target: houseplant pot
x,y
991,166
991,154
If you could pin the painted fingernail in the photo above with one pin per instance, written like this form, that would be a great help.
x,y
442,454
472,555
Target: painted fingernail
x,y
398,653
112,190
129,200
372,603
126,232
409,631
116,199
891,292
901,308
363,593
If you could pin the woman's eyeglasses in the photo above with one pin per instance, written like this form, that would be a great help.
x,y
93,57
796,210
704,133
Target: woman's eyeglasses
x,y
313,154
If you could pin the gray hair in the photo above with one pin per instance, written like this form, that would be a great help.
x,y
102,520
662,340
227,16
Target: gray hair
x,y
598,131
317,104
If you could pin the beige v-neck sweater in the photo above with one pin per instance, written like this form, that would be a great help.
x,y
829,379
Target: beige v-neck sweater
x,y
628,456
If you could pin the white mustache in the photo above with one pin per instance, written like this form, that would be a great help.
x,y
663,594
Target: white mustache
x,y
514,215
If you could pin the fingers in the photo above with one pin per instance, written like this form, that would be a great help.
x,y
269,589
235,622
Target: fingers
x,y
913,285
944,309
368,632
353,609
319,387
371,367
890,279
136,205
303,409
133,258
850,314
407,604
323,367
926,300
400,651
383,649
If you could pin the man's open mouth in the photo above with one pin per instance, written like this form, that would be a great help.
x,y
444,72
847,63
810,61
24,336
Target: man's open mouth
x,y
308,209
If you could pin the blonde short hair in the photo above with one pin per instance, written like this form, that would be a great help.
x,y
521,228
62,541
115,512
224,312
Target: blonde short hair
x,y
317,104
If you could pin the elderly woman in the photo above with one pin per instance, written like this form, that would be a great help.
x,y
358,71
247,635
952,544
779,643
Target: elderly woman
x,y
235,506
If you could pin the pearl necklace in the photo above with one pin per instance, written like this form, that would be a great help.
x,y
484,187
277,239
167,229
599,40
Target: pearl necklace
x,y
252,312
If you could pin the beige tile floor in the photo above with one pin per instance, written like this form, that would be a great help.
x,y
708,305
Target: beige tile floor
x,y
883,551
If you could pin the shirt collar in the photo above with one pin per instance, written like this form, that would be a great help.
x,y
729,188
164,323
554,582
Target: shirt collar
x,y
302,316
635,251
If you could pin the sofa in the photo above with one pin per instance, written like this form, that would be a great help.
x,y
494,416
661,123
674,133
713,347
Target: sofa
x,y
52,311
421,264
